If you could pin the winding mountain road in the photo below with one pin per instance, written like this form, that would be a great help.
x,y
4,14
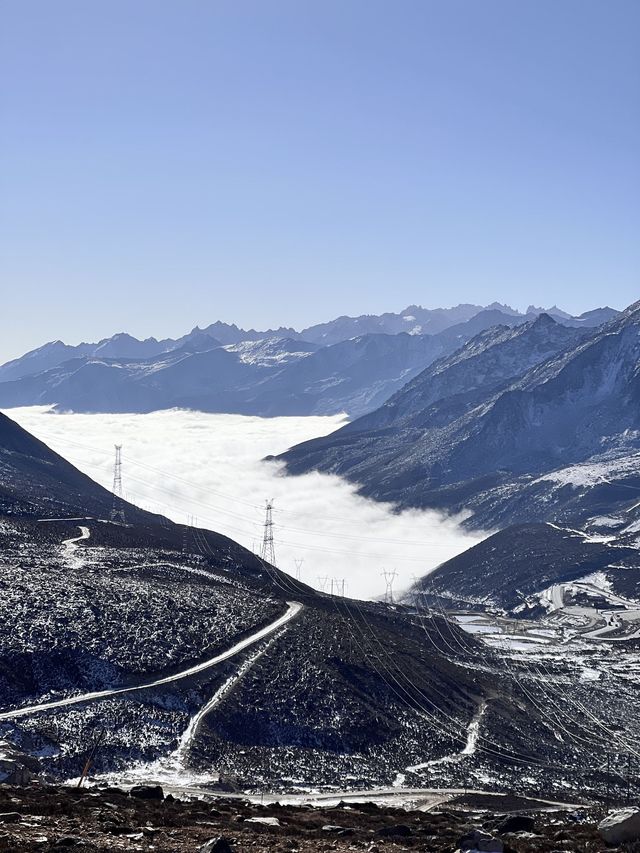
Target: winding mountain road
x,y
84,534
293,609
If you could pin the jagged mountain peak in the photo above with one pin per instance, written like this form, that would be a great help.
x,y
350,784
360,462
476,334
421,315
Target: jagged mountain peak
x,y
558,312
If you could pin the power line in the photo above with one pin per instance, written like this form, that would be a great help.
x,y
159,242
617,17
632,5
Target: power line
x,y
277,510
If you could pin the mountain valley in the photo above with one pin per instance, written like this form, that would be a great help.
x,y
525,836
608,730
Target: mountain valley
x,y
174,655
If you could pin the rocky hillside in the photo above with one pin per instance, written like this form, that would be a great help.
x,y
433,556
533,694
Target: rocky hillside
x,y
91,607
36,481
188,658
488,432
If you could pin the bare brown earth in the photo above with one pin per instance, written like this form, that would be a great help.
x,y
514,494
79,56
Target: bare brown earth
x,y
53,818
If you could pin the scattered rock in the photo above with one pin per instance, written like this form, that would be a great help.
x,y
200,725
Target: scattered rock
x,y
399,830
113,790
16,767
67,841
342,831
621,825
482,841
216,845
516,823
147,792
265,821
577,817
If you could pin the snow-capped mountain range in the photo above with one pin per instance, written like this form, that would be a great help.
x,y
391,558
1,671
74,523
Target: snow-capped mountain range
x,y
352,364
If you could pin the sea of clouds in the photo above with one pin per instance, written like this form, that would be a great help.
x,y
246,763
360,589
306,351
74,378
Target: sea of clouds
x,y
211,468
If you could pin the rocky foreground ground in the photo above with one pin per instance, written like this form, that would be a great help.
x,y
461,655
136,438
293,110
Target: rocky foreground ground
x,y
45,818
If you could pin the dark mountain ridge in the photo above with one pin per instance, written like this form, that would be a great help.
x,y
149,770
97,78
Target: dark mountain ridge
x,y
462,432
509,570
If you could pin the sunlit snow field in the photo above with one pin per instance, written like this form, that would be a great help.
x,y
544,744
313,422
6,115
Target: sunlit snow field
x,y
210,467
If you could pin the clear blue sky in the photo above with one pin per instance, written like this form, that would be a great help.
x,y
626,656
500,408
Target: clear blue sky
x,y
171,163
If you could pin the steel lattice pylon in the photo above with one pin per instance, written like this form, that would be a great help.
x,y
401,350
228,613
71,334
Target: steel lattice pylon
x,y
117,510
268,551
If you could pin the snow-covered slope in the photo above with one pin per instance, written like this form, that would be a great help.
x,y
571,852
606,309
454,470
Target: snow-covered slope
x,y
510,570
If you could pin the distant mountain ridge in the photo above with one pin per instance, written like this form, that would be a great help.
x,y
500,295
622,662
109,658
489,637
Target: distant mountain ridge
x,y
350,365
413,320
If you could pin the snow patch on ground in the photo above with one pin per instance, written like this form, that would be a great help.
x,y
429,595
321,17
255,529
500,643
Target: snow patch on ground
x,y
473,734
593,474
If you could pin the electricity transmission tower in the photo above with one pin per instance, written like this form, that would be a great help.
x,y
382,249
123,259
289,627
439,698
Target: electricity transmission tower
x,y
322,582
117,509
268,551
389,577
298,568
185,534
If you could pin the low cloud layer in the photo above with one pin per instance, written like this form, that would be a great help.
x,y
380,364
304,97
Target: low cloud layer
x,y
191,464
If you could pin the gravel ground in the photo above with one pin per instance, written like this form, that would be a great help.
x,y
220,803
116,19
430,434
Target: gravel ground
x,y
52,818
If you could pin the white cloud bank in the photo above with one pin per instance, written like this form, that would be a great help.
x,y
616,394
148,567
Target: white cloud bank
x,y
184,463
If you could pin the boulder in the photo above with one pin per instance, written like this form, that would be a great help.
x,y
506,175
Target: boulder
x,y
16,767
516,823
147,792
621,825
479,840
216,845
264,821
342,831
